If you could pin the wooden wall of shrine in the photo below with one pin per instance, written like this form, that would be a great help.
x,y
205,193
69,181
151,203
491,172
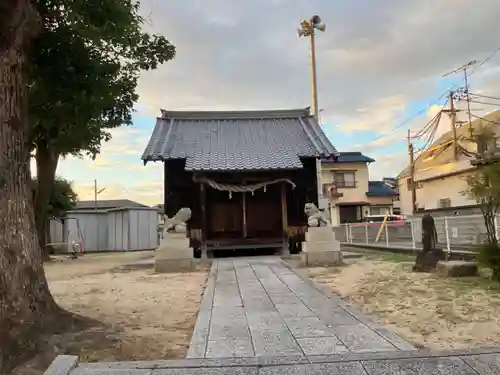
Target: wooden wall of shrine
x,y
272,213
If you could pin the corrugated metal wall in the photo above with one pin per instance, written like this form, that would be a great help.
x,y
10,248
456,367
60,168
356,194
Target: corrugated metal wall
x,y
56,232
114,230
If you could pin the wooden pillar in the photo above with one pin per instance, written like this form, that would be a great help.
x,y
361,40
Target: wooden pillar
x,y
204,254
165,187
244,210
284,220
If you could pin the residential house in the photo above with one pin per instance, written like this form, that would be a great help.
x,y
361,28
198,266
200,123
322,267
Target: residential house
x,y
245,175
381,198
351,195
440,178
392,183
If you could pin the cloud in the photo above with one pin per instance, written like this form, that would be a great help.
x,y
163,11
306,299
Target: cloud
x,y
388,165
381,116
118,169
227,59
149,192
377,61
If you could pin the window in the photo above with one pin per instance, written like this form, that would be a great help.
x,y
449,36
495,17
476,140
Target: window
x,y
444,203
345,179
379,210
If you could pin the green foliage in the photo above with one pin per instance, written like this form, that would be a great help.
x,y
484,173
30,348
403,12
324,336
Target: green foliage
x,y
62,199
484,187
84,72
489,256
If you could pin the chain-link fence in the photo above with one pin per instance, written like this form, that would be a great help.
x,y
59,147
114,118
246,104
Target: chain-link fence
x,y
460,233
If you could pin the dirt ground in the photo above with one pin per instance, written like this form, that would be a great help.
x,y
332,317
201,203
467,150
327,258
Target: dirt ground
x,y
428,310
139,315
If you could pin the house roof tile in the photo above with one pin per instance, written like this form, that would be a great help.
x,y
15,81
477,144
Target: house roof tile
x,y
238,140
350,157
380,189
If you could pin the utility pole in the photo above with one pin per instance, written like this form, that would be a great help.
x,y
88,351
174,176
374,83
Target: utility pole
x,y
465,90
466,80
96,193
452,112
413,185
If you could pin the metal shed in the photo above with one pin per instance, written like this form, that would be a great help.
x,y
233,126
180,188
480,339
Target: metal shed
x,y
119,229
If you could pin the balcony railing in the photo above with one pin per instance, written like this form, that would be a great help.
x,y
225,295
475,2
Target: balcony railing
x,y
330,191
345,184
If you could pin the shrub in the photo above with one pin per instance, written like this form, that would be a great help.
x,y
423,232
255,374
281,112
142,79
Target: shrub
x,y
489,256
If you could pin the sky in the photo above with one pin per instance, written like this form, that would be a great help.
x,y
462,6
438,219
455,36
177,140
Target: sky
x,y
379,64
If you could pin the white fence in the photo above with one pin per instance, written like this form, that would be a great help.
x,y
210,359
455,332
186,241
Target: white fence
x,y
459,233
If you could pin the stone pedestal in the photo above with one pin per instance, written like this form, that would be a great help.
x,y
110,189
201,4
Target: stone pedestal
x,y
427,261
320,248
457,268
174,254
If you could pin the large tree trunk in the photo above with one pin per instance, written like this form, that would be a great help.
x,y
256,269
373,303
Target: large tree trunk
x,y
26,305
46,166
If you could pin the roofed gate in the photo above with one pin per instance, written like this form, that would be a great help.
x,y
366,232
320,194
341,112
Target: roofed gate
x,y
246,175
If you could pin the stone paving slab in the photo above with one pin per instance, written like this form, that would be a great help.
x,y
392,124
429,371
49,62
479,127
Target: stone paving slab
x,y
470,362
260,306
259,317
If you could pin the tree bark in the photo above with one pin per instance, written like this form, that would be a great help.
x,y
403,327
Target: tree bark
x,y
46,166
26,305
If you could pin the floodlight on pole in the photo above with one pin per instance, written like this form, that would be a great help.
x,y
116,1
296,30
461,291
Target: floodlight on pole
x,y
306,29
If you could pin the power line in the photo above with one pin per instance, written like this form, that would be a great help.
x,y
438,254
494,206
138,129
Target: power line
x,y
422,111
485,103
485,61
485,96
429,126
485,119
414,116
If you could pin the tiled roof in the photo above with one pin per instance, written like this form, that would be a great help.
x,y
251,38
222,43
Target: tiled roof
x,y
350,157
380,189
390,181
107,204
238,140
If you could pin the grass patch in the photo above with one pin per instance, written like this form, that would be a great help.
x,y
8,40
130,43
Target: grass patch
x,y
389,256
427,309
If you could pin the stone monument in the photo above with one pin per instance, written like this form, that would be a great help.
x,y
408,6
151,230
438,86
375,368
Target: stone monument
x,y
428,258
174,253
320,246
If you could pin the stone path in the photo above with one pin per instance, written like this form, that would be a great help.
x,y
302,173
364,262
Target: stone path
x,y
258,317
258,307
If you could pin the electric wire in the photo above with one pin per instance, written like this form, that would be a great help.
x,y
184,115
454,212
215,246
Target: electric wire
x,y
485,61
485,103
485,119
485,96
